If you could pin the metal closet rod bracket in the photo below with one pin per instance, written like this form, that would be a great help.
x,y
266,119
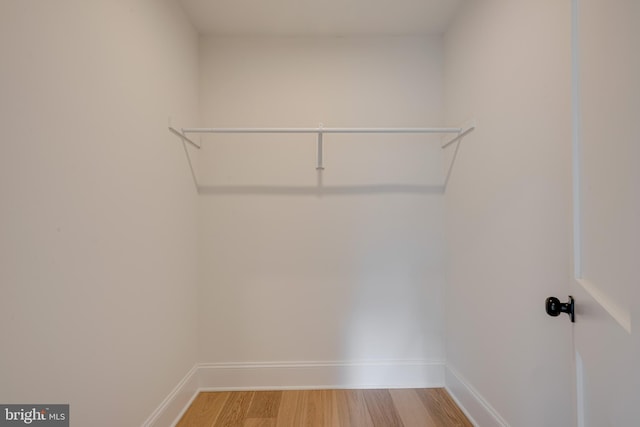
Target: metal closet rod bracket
x,y
461,133
183,136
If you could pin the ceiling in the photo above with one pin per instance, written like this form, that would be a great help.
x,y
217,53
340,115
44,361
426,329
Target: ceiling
x,y
320,17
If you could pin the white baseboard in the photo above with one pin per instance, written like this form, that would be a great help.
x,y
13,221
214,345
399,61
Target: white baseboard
x,y
315,375
176,403
295,376
475,407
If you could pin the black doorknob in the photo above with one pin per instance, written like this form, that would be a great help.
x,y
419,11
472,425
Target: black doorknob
x,y
554,307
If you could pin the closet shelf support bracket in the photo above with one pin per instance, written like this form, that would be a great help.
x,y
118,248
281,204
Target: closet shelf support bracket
x,y
183,136
461,134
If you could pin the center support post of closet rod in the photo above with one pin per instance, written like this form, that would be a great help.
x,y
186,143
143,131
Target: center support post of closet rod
x,y
320,167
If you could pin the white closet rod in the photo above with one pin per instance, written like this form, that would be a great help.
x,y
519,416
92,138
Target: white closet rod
x,y
322,130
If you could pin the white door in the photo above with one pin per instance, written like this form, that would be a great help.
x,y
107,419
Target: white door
x,y
606,258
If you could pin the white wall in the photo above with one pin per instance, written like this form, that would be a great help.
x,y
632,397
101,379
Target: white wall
x,y
508,207
347,273
97,217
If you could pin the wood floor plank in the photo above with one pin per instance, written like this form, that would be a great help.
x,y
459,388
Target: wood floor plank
x,y
352,409
442,408
265,404
319,408
381,408
260,422
411,410
292,407
204,410
235,410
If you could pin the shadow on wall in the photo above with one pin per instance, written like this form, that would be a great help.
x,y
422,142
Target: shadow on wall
x,y
321,190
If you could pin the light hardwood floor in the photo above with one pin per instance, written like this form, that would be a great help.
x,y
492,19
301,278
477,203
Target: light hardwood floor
x,y
330,408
